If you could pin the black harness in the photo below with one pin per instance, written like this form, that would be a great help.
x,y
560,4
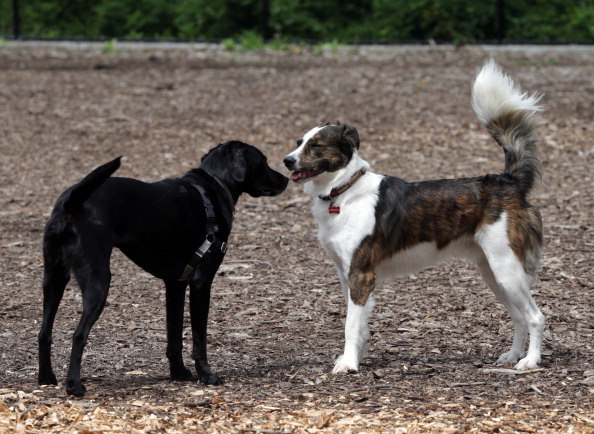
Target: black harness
x,y
211,229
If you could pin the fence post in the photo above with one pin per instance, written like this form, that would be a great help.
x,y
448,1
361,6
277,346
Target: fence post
x,y
265,21
16,20
501,21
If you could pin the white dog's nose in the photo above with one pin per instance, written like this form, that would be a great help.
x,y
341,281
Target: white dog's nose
x,y
290,162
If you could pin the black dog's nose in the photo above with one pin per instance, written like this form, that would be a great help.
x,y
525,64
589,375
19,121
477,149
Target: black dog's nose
x,y
289,162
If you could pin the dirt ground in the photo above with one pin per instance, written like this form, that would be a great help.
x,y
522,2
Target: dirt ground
x,y
277,312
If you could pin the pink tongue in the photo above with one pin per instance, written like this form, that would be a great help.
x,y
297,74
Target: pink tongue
x,y
298,175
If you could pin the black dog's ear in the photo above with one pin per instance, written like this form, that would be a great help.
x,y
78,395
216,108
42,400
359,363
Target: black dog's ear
x,y
209,152
236,164
350,135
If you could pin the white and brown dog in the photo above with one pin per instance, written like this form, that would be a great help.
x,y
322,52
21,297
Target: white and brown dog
x,y
376,227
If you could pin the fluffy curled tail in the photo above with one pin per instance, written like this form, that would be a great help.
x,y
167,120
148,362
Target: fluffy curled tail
x,y
511,117
80,192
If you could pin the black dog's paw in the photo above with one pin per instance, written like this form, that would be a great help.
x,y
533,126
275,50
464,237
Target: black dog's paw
x,y
181,374
205,374
211,379
47,378
75,388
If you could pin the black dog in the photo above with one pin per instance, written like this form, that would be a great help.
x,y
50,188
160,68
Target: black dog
x,y
175,229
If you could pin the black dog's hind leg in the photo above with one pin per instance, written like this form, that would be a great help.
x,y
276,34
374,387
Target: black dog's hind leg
x,y
199,305
94,279
175,297
55,279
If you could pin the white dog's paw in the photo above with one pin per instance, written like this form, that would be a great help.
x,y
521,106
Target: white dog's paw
x,y
345,364
510,357
527,363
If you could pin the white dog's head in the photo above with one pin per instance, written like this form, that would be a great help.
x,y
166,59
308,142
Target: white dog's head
x,y
323,149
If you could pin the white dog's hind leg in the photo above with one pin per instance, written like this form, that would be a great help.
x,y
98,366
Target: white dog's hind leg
x,y
517,291
356,335
520,328
535,321
514,291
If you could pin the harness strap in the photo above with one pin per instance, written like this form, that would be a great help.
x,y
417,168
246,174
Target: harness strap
x,y
211,226
211,229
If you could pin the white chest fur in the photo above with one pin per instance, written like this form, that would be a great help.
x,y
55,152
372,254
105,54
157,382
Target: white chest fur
x,y
340,234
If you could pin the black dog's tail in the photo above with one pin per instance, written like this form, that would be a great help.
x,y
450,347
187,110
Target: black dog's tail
x,y
80,192
512,118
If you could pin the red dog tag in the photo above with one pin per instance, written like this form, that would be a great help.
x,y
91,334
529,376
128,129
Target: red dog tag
x,y
333,209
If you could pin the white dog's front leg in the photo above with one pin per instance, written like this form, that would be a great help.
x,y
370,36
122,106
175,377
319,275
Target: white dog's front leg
x,y
356,334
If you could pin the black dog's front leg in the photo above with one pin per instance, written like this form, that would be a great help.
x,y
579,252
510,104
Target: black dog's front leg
x,y
199,305
174,298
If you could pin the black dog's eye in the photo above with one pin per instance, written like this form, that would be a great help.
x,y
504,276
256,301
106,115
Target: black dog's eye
x,y
299,142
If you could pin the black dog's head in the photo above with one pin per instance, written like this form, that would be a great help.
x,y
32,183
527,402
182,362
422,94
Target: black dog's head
x,y
244,168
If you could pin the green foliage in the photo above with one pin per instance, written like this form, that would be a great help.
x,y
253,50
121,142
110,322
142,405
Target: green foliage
x,y
142,18
216,19
228,44
110,47
332,20
435,19
331,47
319,19
334,46
67,18
561,20
279,44
251,40
5,17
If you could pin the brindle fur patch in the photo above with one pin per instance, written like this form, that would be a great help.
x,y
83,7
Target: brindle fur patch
x,y
361,284
524,227
442,211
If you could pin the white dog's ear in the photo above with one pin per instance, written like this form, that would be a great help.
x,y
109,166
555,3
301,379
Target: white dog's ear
x,y
349,134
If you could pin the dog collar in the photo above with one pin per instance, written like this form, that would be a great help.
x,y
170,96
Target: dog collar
x,y
227,193
337,191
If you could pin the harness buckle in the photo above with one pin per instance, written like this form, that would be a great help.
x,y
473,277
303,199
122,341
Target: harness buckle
x,y
205,246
